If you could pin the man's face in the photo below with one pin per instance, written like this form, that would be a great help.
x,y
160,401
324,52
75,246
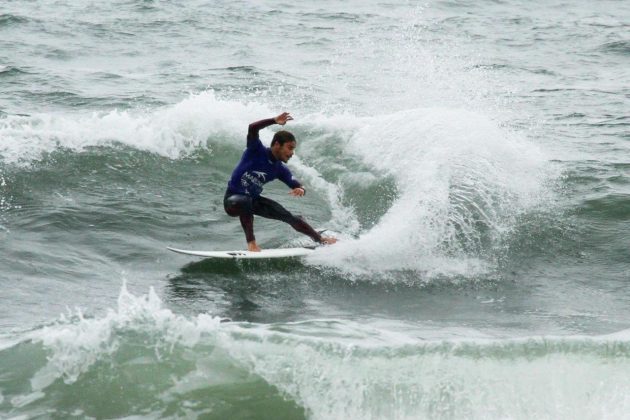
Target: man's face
x,y
284,152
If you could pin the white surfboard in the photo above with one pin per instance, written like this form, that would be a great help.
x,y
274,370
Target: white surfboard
x,y
265,253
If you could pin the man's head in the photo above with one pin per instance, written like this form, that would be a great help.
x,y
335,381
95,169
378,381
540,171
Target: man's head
x,y
283,145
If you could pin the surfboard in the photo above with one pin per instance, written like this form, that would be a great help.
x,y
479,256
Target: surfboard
x,y
265,253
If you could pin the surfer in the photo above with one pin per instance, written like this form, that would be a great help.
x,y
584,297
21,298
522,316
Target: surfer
x,y
259,165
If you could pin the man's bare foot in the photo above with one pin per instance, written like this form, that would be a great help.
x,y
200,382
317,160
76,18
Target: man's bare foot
x,y
328,240
253,247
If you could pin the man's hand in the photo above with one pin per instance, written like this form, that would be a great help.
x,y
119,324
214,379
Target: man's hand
x,y
297,192
283,118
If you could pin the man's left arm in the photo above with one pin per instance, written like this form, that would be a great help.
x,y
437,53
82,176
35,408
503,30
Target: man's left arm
x,y
287,177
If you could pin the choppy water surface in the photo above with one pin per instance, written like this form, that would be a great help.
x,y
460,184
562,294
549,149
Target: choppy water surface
x,y
471,156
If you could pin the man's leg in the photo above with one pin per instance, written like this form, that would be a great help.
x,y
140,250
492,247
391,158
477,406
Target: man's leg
x,y
241,205
271,210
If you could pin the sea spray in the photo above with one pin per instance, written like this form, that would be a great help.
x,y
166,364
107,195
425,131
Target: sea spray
x,y
461,181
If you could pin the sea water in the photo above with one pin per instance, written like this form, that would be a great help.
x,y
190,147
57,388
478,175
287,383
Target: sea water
x,y
472,157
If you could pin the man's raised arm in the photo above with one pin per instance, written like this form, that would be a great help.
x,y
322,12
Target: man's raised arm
x,y
255,127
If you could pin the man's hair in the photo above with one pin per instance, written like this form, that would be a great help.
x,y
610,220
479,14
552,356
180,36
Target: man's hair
x,y
282,137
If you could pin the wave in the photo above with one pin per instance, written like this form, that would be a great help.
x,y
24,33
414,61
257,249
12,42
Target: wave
x,y
616,47
8,20
163,364
7,71
169,131
427,190
613,206
461,183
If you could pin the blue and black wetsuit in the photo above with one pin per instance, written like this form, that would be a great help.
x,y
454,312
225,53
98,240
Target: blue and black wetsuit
x,y
257,167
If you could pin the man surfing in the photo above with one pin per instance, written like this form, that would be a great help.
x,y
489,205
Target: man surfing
x,y
258,166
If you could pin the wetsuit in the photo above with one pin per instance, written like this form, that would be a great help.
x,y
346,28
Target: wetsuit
x,y
257,167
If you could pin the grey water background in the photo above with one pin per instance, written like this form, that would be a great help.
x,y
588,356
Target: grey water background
x,y
472,157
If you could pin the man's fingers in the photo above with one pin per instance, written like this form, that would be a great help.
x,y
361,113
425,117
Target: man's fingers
x,y
285,116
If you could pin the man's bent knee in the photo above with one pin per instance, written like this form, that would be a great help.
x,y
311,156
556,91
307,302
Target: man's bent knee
x,y
237,204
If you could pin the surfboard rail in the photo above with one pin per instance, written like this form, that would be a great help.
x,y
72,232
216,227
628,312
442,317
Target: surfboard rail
x,y
242,254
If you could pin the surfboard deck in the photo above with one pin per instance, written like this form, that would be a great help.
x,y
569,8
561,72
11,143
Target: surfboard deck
x,y
241,254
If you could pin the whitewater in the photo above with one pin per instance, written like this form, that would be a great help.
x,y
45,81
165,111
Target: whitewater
x,y
471,158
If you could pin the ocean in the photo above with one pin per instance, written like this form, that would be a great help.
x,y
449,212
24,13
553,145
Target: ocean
x,y
471,156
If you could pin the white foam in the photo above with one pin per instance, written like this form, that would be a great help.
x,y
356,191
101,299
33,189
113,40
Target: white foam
x,y
352,384
169,131
351,370
24,400
343,218
78,345
455,170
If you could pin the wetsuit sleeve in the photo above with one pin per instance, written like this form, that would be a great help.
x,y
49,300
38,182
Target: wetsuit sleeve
x,y
286,176
253,138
